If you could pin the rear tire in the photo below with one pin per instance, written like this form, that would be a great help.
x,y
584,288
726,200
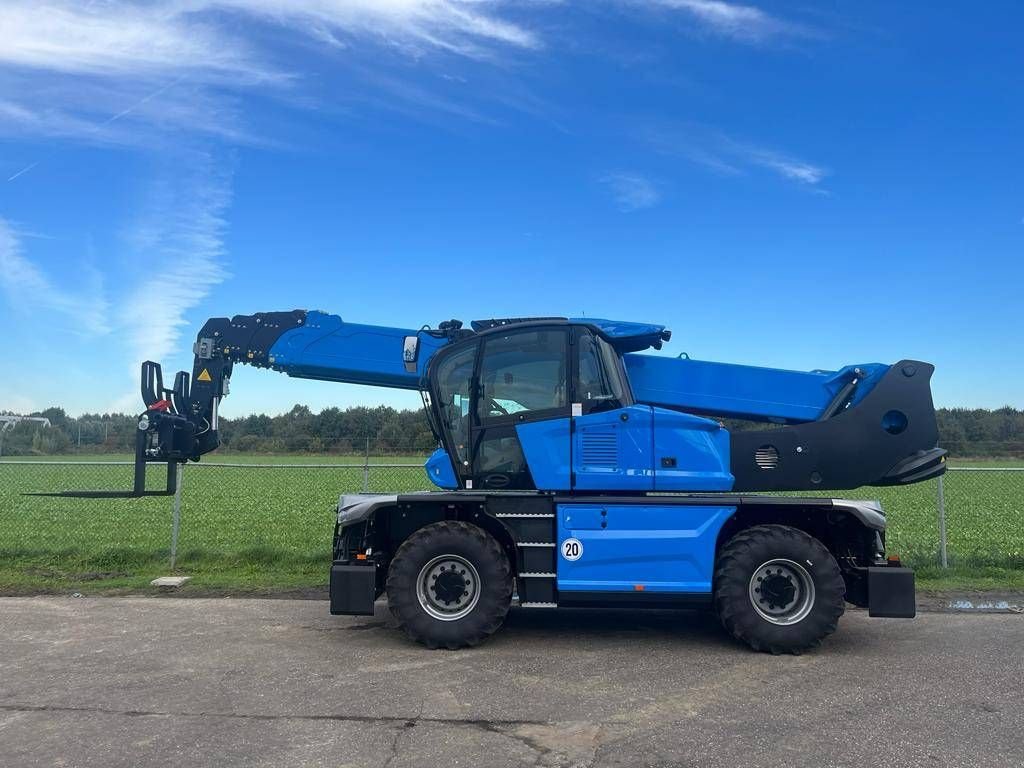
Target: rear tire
x,y
778,589
450,585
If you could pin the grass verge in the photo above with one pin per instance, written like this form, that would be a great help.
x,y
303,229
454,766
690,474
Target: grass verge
x,y
268,530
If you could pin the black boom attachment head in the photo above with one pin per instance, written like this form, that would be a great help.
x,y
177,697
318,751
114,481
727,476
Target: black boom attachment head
x,y
890,437
165,434
180,424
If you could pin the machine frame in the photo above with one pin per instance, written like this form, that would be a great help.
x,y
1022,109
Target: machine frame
x,y
637,496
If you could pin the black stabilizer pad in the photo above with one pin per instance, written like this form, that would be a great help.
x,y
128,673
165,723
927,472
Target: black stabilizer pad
x,y
891,593
353,589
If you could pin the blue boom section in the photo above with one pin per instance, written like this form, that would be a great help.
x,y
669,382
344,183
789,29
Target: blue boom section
x,y
634,547
328,348
743,391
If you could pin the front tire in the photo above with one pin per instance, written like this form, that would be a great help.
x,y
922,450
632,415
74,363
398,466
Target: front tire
x,y
450,585
778,589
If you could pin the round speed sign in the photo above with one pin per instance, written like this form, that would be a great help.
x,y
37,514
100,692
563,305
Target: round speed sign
x,y
572,549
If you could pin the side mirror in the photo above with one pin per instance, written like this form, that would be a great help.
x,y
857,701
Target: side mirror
x,y
410,353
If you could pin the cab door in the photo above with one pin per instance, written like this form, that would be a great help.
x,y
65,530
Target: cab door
x,y
612,439
522,393
452,395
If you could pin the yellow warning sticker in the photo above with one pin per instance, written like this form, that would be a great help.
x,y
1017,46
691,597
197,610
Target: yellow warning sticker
x,y
204,375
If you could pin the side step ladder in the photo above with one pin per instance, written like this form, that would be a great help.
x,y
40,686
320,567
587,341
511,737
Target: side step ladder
x,y
536,578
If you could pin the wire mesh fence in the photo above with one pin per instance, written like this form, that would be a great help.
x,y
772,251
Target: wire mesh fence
x,y
982,509
267,515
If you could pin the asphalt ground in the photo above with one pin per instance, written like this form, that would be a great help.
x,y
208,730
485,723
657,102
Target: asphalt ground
x,y
250,682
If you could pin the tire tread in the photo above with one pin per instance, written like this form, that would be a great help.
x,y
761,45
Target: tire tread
x,y
485,619
733,570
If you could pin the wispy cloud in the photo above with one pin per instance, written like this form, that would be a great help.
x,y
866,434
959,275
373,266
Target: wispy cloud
x,y
118,38
73,70
178,236
119,112
177,64
786,166
174,258
163,76
23,171
631,191
728,156
463,27
198,37
743,23
82,305
170,75
123,114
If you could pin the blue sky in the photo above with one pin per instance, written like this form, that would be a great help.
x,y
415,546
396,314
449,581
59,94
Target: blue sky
x,y
800,185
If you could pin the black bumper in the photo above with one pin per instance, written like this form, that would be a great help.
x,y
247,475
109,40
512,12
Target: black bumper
x,y
353,589
891,593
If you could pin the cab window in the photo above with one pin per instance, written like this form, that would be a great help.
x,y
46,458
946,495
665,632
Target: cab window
x,y
523,372
599,383
454,378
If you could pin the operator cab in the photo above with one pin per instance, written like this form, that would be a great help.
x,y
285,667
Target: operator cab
x,y
547,405
491,388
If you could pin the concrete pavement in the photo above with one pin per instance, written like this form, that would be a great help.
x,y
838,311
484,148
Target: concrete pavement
x,y
237,682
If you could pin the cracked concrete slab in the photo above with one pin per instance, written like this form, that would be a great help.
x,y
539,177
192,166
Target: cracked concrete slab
x,y
150,682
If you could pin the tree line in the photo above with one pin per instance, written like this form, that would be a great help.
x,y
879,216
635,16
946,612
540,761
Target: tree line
x,y
964,432
380,431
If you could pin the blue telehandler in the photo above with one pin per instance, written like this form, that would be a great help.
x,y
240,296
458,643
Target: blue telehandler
x,y
575,470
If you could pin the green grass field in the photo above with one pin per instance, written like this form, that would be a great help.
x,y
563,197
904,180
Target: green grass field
x,y
256,528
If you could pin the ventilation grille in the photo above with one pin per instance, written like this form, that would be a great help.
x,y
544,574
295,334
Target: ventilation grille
x,y
767,457
600,449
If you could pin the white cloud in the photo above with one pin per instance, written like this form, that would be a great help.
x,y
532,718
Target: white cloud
x,y
787,167
464,27
744,23
139,39
145,74
631,191
22,171
74,69
155,75
178,238
123,113
68,67
728,156
83,307
116,38
174,258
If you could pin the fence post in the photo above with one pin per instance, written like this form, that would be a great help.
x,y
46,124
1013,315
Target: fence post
x,y
366,467
943,560
176,518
